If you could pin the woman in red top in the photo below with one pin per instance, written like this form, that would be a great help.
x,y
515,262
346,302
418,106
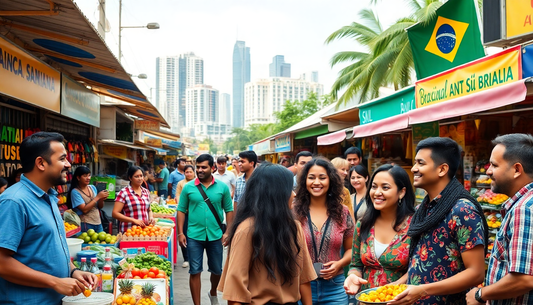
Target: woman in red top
x,y
132,206
380,244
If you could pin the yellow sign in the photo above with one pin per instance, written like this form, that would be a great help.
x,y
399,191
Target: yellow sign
x,y
25,78
518,17
147,125
116,151
203,148
485,73
153,142
457,27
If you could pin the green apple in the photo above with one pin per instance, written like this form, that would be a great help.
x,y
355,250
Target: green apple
x,y
90,232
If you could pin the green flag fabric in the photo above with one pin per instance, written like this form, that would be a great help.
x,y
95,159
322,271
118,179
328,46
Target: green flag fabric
x,y
448,40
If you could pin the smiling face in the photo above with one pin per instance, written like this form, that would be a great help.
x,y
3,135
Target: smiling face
x,y
56,170
317,181
358,182
189,174
500,172
424,170
84,180
384,192
203,170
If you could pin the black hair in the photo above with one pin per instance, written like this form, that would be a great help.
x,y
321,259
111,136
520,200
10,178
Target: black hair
x,y
132,170
302,154
275,232
249,155
145,168
334,195
222,160
443,150
13,177
404,210
187,167
3,182
206,157
37,145
80,171
352,151
518,149
361,170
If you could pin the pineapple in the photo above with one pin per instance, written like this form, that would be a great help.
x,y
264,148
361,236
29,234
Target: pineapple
x,y
147,293
125,297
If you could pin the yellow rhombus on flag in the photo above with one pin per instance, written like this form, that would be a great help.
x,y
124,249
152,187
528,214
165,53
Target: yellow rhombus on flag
x,y
446,38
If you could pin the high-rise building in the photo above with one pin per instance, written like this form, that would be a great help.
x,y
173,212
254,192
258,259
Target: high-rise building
x,y
174,74
311,76
279,68
202,105
241,76
225,109
264,97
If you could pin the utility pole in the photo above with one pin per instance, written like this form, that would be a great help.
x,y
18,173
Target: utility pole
x,y
102,20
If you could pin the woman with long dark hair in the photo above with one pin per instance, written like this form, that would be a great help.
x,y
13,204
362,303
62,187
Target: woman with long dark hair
x,y
132,205
85,200
358,187
380,243
328,227
268,261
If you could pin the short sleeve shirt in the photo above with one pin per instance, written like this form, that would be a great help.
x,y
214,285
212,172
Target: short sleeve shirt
x,y
163,175
135,206
91,217
175,178
34,231
240,186
512,247
438,253
202,224
228,178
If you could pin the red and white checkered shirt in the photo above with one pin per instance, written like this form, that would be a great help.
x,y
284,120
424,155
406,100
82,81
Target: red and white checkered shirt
x,y
135,206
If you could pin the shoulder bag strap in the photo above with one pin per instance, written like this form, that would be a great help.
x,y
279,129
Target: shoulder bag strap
x,y
210,205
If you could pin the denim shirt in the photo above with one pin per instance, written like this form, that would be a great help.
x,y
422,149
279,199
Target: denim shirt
x,y
33,229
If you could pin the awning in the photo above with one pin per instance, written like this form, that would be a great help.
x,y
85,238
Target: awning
x,y
120,143
332,138
159,151
163,135
315,131
397,122
59,32
481,101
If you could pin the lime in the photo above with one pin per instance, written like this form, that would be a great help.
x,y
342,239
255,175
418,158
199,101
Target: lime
x,y
108,235
83,235
103,243
90,242
108,240
94,237
90,232
101,236
97,242
87,239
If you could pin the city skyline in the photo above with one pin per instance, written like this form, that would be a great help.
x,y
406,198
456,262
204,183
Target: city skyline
x,y
241,76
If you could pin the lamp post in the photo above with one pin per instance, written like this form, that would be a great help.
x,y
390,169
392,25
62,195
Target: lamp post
x,y
150,26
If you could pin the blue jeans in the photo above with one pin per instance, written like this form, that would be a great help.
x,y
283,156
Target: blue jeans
x,y
330,292
86,226
214,251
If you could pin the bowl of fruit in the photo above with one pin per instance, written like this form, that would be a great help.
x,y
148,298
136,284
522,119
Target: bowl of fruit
x,y
380,295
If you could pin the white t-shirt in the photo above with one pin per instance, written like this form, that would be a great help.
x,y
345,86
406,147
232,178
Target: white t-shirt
x,y
228,178
379,248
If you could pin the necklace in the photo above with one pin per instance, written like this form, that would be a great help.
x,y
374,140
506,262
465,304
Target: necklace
x,y
84,192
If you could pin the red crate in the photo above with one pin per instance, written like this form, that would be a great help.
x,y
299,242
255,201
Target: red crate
x,y
158,247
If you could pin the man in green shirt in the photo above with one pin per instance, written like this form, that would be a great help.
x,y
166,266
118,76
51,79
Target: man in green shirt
x,y
163,179
204,232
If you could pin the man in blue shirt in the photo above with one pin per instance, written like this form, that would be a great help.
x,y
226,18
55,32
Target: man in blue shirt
x,y
176,176
34,256
162,180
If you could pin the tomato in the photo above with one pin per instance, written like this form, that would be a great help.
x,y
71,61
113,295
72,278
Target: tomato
x,y
145,277
144,272
137,277
151,275
161,276
154,270
121,276
162,272
136,272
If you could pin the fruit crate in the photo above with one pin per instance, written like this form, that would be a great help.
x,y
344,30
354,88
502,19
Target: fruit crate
x,y
161,215
159,247
73,232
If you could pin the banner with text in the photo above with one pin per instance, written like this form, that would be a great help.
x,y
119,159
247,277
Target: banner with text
x,y
25,78
283,144
483,74
147,125
119,152
518,18
79,103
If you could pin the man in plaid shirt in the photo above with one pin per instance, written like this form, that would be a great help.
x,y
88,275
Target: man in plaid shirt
x,y
510,274
247,164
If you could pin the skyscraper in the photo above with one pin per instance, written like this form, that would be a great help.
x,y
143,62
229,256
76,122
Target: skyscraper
x,y
279,68
241,75
311,76
174,74
225,109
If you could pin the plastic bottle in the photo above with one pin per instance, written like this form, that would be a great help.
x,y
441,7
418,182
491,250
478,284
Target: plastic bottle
x,y
107,279
108,263
96,271
84,266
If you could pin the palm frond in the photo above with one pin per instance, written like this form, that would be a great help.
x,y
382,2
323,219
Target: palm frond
x,y
347,56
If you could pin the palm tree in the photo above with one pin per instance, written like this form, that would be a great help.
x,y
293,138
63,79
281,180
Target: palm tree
x,y
389,60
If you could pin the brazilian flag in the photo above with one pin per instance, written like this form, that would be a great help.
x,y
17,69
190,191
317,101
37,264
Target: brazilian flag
x,y
448,40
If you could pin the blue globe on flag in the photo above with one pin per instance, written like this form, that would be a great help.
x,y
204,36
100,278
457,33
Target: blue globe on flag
x,y
445,38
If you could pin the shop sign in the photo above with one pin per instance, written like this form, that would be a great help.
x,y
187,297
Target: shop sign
x,y
262,148
203,148
10,140
119,152
518,18
147,125
173,144
483,74
79,103
155,142
394,104
27,79
283,144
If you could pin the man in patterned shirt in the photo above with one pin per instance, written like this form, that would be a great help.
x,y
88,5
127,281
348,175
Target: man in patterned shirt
x,y
448,231
247,164
510,275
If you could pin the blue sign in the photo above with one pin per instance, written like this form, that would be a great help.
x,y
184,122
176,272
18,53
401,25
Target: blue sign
x,y
173,144
283,144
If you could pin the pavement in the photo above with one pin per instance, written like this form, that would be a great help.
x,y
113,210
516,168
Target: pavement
x,y
182,293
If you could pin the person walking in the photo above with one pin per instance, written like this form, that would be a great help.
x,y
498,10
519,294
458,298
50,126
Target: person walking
x,y
235,167
328,227
86,200
268,261
162,180
342,167
300,161
510,277
224,175
176,176
132,205
380,252
189,176
359,184
204,200
34,256
247,164
448,231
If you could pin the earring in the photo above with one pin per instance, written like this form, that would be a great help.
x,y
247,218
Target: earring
x,y
400,202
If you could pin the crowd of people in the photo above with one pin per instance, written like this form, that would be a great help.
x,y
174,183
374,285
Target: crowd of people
x,y
315,232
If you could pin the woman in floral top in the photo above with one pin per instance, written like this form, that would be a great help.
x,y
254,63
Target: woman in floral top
x,y
381,246
328,227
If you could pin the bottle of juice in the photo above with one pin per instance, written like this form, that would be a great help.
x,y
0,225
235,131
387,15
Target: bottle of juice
x,y
84,266
107,279
96,271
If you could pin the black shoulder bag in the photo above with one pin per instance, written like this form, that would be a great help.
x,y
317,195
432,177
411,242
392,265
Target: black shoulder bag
x,y
212,208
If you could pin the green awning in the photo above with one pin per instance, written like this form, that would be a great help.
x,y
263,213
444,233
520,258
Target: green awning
x,y
315,131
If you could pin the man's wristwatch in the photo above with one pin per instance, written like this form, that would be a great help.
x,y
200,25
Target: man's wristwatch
x,y
478,296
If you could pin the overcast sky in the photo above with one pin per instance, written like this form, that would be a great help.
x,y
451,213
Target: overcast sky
x,y
209,28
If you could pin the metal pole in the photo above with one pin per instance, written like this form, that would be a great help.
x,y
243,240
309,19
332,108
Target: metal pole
x,y
120,31
102,19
